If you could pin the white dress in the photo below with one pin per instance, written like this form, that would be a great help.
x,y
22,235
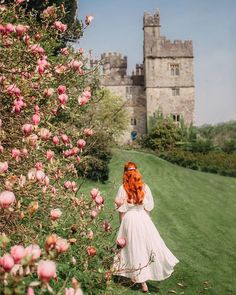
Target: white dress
x,y
143,242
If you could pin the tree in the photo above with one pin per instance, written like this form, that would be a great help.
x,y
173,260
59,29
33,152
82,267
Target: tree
x,y
44,99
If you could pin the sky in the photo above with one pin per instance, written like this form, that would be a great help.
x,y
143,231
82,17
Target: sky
x,y
210,24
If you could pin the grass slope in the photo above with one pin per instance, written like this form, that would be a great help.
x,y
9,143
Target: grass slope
x,y
195,214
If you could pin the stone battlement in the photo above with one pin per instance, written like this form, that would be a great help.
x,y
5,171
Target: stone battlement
x,y
177,48
150,20
115,59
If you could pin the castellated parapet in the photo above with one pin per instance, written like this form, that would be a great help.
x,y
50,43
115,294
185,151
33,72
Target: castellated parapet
x,y
114,63
150,20
164,82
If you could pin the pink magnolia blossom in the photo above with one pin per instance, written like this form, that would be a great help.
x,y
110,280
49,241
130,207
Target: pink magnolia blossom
x,y
36,49
33,251
39,166
55,214
106,225
43,62
13,90
87,94
3,167
9,28
36,119
46,270
27,128
44,133
7,262
74,187
65,138
88,132
81,50
99,200
67,184
67,153
1,149
55,140
63,98
61,245
121,242
36,109
94,213
24,152
15,153
17,252
78,159
74,151
84,98
40,69
26,39
94,193
49,11
64,51
88,19
90,235
0,123
60,26
60,69
21,29
53,190
76,65
30,291
6,199
46,181
48,92
91,251
18,105
49,155
61,89
40,175
81,143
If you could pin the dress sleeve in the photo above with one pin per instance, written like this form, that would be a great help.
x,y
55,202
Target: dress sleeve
x,y
120,200
148,200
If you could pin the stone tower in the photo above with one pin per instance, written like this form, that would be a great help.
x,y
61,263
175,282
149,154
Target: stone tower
x,y
128,87
164,83
168,72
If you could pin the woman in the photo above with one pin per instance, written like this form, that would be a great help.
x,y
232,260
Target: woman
x,y
143,255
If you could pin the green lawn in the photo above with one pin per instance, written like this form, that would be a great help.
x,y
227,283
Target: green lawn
x,y
195,214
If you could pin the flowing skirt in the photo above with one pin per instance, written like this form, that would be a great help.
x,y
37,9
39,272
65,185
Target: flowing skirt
x,y
145,255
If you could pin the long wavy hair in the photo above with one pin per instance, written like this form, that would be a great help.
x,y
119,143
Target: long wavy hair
x,y
133,184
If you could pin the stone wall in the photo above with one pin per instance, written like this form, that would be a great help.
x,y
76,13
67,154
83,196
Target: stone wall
x,y
135,103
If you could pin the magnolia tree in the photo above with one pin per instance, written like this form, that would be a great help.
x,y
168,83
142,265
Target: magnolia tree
x,y
53,238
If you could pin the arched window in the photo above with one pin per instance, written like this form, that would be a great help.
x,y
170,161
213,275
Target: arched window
x,y
133,121
174,70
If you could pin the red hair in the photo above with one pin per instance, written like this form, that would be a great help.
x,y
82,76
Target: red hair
x,y
133,184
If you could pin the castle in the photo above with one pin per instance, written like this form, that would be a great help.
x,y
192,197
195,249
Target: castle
x,y
164,82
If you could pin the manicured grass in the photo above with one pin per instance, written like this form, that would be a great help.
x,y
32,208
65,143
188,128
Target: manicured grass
x,y
195,214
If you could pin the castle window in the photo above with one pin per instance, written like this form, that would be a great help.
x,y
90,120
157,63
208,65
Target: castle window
x,y
174,70
128,93
176,117
175,91
133,121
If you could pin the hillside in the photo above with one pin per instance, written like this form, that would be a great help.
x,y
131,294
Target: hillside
x,y
195,214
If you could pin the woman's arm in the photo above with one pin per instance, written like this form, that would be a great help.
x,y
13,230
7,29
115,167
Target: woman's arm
x,y
121,215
